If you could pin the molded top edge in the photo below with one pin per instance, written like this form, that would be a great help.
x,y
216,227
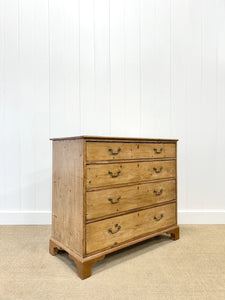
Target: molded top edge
x,y
90,137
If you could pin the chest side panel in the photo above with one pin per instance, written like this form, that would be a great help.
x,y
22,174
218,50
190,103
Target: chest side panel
x,y
67,193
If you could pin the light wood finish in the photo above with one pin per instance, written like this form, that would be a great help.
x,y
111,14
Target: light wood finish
x,y
86,186
67,194
175,233
91,138
99,175
113,231
97,151
83,265
115,200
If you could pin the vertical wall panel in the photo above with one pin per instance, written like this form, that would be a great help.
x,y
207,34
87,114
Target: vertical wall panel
x,y
2,106
148,67
117,67
64,67
34,85
201,107
155,65
132,67
194,106
220,145
27,82
10,105
87,68
180,47
71,54
42,145
209,107
102,67
57,67
162,101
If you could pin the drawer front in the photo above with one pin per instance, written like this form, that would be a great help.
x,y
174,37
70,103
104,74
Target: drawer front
x,y
111,201
97,151
110,174
111,232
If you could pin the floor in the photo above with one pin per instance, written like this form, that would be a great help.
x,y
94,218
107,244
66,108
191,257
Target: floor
x,y
190,268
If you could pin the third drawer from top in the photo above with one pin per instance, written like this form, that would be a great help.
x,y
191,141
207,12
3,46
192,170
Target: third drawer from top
x,y
117,200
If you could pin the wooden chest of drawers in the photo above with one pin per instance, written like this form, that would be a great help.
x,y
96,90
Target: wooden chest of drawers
x,y
109,193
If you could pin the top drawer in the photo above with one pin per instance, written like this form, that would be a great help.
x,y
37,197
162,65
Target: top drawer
x,y
98,151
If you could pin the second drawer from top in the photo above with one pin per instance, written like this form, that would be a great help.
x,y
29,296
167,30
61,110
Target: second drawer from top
x,y
114,173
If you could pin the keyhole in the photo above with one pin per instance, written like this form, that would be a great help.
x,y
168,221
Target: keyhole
x,y
138,146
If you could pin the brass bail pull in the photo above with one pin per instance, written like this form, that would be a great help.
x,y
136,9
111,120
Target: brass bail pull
x,y
158,171
114,202
158,219
117,228
158,193
114,175
114,153
158,151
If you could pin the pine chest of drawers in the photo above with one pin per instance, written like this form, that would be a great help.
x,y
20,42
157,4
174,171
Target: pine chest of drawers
x,y
109,193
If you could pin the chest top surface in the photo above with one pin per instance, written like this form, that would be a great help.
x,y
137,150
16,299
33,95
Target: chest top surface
x,y
105,138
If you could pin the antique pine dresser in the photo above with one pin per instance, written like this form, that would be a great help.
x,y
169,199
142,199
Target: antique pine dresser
x,y
109,193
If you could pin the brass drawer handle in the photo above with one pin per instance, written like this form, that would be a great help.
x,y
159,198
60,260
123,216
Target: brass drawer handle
x,y
158,219
114,153
114,202
158,152
158,193
114,175
117,228
158,171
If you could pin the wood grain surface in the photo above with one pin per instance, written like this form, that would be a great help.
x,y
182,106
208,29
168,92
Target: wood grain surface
x,y
112,231
97,151
119,173
67,194
115,200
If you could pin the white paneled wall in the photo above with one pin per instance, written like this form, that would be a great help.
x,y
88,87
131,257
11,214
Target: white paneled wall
x,y
144,68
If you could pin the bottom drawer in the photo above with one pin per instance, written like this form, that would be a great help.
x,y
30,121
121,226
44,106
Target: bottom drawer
x,y
111,232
